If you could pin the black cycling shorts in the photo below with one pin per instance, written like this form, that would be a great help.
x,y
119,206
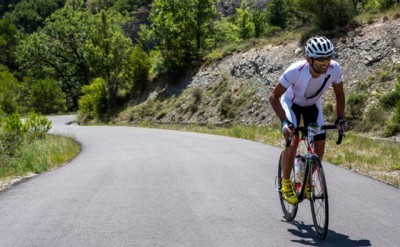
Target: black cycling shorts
x,y
309,114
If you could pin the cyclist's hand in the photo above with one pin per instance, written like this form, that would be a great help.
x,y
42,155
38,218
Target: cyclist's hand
x,y
341,124
287,127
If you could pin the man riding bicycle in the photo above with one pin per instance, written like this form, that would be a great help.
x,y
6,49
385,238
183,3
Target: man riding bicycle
x,y
298,95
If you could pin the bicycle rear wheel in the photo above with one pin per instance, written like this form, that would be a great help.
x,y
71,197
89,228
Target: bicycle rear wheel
x,y
289,210
319,198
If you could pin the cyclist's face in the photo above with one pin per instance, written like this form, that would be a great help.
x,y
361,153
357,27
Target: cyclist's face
x,y
321,64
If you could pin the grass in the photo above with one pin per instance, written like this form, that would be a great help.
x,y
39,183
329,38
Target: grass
x,y
39,156
392,12
379,159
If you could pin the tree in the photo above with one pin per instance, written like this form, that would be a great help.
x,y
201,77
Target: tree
x,y
243,21
181,29
331,14
46,97
93,103
259,19
57,51
173,25
140,68
8,42
8,92
204,15
225,32
108,54
277,13
31,14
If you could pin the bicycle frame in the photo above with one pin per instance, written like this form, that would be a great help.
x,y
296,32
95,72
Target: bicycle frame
x,y
316,182
308,138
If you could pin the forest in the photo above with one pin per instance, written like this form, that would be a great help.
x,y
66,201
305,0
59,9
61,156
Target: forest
x,y
96,56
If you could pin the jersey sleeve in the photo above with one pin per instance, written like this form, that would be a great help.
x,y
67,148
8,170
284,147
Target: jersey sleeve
x,y
338,74
286,79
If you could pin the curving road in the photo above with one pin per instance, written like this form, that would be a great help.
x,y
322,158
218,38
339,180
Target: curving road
x,y
148,187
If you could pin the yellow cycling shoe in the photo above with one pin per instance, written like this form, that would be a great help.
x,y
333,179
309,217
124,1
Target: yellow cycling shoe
x,y
288,192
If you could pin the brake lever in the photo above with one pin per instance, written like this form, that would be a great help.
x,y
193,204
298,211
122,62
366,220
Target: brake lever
x,y
341,132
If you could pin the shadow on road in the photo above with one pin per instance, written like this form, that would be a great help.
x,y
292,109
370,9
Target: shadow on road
x,y
309,237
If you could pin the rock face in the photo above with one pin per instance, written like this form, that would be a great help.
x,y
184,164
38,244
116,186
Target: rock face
x,y
246,78
361,53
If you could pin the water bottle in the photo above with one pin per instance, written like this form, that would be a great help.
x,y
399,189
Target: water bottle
x,y
298,168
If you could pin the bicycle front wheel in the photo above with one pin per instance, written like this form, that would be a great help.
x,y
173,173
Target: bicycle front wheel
x,y
289,210
319,198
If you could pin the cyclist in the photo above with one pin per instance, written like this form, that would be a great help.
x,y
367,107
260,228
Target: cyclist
x,y
298,94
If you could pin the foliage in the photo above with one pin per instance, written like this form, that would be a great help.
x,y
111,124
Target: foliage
x,y
243,21
28,15
58,51
225,31
8,42
213,56
15,131
93,103
12,135
277,14
9,88
46,97
37,126
108,54
259,20
140,61
330,15
179,28
355,104
391,100
40,155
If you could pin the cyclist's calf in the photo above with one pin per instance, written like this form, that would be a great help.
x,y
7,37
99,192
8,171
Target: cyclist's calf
x,y
288,156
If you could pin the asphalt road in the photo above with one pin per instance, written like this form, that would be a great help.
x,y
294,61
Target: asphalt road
x,y
148,187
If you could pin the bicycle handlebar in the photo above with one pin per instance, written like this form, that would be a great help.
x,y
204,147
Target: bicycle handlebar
x,y
304,131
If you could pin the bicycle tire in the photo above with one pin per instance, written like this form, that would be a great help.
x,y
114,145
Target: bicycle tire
x,y
319,199
289,210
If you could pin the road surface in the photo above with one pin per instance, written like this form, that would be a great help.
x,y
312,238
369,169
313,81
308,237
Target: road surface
x,y
147,187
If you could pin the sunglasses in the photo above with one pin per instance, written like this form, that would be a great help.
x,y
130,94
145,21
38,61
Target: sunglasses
x,y
323,59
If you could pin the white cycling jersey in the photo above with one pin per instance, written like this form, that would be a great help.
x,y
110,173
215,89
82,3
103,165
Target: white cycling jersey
x,y
298,79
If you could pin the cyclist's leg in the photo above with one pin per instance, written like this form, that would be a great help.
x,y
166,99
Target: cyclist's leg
x,y
288,155
314,114
319,139
293,115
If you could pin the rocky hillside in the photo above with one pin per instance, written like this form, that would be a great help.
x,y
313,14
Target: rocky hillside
x,y
235,89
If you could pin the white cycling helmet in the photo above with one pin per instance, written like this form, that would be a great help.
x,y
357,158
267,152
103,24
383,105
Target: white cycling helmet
x,y
319,47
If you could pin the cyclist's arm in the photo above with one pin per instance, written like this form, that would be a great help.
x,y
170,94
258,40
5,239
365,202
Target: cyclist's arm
x,y
340,99
274,99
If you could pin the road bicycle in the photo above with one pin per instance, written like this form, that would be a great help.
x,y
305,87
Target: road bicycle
x,y
313,177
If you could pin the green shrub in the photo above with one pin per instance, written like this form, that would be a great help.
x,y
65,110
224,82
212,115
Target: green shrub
x,y
226,106
389,100
140,68
37,126
355,106
8,91
93,103
375,118
213,56
47,97
12,136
